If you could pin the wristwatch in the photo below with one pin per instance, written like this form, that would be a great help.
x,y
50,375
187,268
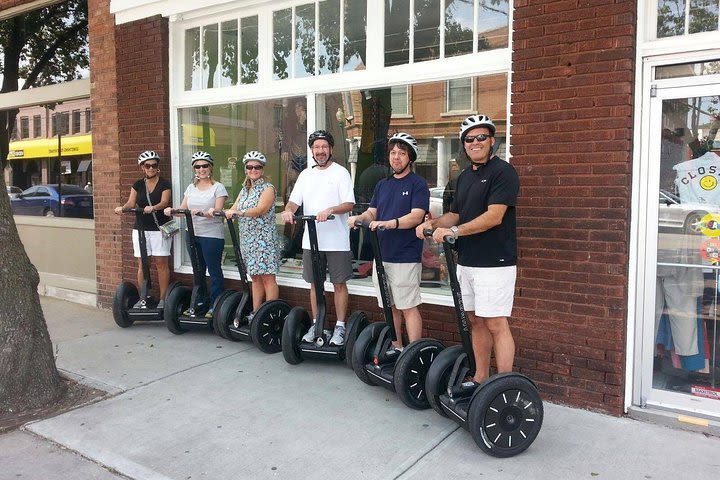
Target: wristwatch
x,y
454,229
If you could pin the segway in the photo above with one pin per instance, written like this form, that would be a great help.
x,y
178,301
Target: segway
x,y
185,308
298,320
126,294
504,413
232,308
376,363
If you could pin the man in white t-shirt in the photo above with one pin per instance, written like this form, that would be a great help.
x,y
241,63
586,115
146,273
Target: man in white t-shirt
x,y
324,190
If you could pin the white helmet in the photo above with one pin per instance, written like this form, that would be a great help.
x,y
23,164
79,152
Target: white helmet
x,y
254,155
408,140
148,155
474,121
201,156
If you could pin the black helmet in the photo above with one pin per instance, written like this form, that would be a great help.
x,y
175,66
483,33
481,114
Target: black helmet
x,y
320,135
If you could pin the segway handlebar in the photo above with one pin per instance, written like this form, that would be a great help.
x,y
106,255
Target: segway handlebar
x,y
137,210
310,218
360,223
185,211
448,238
221,213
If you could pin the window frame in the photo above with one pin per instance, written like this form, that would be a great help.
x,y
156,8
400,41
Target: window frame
x,y
471,109
375,75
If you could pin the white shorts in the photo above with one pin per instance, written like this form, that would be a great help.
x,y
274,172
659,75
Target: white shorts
x,y
157,246
487,291
403,281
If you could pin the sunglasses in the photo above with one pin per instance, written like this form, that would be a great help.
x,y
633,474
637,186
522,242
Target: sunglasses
x,y
148,166
204,165
480,138
253,167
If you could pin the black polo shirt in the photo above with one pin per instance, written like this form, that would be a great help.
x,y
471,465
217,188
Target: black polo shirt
x,y
495,182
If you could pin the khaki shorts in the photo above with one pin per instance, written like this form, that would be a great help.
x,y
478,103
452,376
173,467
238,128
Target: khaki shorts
x,y
489,292
403,281
156,245
337,264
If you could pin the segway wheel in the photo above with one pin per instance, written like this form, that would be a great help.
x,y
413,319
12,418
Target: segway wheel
x,y
363,350
177,301
224,313
438,376
411,370
296,324
505,415
266,330
356,324
126,295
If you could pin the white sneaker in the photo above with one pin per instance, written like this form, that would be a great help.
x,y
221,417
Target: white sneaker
x,y
338,337
309,337
161,305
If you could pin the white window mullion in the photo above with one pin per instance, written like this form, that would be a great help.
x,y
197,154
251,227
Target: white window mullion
x,y
293,52
476,25
316,68
442,29
687,17
411,36
341,67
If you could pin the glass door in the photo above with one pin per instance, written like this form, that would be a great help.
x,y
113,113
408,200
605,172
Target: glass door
x,y
681,341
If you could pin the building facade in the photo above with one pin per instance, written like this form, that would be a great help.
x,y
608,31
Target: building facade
x,y
603,108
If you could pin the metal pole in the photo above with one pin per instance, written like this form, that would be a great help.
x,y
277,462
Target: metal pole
x,y
59,171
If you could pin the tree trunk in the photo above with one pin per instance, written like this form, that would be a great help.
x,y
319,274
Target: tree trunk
x,y
28,375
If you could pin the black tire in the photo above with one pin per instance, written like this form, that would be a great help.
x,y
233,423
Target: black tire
x,y
177,301
220,318
356,324
266,330
411,371
362,352
436,381
505,415
296,324
126,295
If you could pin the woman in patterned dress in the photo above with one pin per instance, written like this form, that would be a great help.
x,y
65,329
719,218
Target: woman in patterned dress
x,y
255,205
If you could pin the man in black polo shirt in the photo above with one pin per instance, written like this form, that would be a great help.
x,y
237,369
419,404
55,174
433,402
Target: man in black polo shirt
x,y
482,218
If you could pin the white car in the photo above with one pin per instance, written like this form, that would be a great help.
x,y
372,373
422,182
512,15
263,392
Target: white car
x,y
673,213
436,201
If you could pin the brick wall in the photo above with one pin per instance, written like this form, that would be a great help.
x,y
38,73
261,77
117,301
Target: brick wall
x,y
573,70
106,169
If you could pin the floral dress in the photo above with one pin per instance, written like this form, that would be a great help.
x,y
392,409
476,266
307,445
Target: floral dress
x,y
259,243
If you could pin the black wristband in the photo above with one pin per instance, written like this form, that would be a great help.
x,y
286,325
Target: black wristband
x,y
397,223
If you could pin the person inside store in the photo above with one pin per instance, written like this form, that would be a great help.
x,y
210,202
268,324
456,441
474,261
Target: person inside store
x,y
398,205
482,219
152,193
206,195
259,243
324,190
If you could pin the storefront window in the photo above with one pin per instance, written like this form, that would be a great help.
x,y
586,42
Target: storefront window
x,y
302,58
688,256
431,27
678,17
249,49
361,122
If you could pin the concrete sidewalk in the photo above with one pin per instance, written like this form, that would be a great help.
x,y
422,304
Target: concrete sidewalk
x,y
196,406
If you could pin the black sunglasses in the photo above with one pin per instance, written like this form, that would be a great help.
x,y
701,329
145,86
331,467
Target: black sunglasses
x,y
150,165
204,165
253,167
480,138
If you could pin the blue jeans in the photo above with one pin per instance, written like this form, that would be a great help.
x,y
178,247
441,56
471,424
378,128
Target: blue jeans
x,y
210,252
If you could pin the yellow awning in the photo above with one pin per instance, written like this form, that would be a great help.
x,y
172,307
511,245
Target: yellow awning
x,y
48,147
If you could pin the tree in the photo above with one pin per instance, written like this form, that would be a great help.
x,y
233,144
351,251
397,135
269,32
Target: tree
x,y
42,47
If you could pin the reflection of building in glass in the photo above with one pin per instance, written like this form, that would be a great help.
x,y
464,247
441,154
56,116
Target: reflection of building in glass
x,y
33,153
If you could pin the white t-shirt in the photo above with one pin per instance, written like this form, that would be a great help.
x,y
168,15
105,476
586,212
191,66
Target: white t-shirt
x,y
202,200
316,190
698,180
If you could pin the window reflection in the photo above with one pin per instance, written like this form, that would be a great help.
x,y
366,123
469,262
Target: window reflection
x,y
427,30
229,53
360,121
492,24
282,43
397,32
249,49
688,256
355,21
329,32
304,64
458,28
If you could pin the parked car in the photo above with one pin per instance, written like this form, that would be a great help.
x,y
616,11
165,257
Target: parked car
x,y
13,191
673,213
436,201
45,200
